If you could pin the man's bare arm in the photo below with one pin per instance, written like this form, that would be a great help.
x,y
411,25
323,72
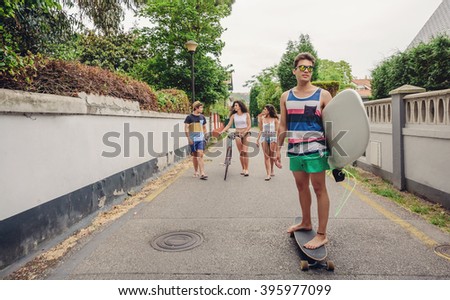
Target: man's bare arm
x,y
281,132
325,99
186,131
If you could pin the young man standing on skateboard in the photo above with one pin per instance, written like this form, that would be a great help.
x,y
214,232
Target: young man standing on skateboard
x,y
195,129
301,120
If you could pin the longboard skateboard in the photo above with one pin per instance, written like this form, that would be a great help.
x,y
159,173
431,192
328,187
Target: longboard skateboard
x,y
313,258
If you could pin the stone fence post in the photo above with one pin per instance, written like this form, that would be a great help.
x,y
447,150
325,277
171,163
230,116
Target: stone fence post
x,y
398,123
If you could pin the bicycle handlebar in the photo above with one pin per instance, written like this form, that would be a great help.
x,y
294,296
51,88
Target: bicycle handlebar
x,y
233,135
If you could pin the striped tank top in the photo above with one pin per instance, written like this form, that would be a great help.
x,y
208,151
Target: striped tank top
x,y
304,122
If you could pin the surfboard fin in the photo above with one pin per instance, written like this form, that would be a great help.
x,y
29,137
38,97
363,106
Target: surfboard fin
x,y
338,175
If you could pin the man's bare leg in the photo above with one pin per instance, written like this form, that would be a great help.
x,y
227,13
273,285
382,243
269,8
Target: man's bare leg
x,y
323,205
302,182
195,163
200,163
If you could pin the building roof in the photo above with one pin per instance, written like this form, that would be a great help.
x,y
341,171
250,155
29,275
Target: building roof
x,y
364,93
363,82
363,87
439,23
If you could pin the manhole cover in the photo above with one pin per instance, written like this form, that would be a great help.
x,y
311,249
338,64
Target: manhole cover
x,y
177,241
443,250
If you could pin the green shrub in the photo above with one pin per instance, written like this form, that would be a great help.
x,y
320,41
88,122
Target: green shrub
x,y
115,53
59,77
173,101
221,108
330,86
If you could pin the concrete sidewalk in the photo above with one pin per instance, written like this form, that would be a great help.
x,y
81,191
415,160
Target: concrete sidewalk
x,y
242,226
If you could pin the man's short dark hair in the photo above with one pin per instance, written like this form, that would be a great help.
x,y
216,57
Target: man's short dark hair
x,y
304,55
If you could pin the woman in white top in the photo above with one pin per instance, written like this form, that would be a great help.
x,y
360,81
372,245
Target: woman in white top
x,y
241,118
268,127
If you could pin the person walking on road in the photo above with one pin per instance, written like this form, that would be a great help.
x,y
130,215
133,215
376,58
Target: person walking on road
x,y
195,129
301,109
268,127
241,118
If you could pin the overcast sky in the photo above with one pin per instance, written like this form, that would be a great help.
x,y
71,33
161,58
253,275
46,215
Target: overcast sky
x,y
361,32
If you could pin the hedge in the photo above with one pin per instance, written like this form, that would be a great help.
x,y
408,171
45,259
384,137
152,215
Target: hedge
x,y
68,78
330,86
426,65
173,101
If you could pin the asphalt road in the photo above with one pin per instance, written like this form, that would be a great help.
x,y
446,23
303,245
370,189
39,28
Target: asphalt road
x,y
241,225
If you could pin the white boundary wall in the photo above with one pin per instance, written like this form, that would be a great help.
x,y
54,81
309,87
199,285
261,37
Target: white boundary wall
x,y
52,145
426,142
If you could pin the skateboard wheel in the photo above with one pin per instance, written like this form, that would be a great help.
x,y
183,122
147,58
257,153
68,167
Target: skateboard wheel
x,y
330,265
304,265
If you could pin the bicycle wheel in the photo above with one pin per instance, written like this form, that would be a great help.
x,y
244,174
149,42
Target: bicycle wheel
x,y
227,162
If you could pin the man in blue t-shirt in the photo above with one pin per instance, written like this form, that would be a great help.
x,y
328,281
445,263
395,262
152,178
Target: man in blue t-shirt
x,y
195,129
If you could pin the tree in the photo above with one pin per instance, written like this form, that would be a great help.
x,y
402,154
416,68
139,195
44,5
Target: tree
x,y
176,22
37,25
41,26
116,53
270,90
285,67
426,65
106,15
265,89
253,107
30,26
341,71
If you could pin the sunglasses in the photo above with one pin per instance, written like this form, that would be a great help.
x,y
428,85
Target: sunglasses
x,y
304,68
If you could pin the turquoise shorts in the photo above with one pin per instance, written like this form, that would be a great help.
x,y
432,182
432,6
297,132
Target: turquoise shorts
x,y
309,163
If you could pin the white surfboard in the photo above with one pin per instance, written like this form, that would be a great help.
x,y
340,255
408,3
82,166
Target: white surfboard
x,y
346,128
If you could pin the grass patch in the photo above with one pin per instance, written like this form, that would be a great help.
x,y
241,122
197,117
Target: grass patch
x,y
440,222
420,209
434,213
388,192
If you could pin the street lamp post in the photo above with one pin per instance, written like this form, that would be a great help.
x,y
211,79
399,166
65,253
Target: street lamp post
x,y
191,46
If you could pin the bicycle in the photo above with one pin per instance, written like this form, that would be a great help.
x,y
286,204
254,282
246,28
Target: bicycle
x,y
230,138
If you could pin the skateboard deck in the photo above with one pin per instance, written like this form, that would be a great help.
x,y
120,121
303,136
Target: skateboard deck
x,y
315,258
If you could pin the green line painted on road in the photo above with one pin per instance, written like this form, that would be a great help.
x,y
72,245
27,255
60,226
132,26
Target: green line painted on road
x,y
394,218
